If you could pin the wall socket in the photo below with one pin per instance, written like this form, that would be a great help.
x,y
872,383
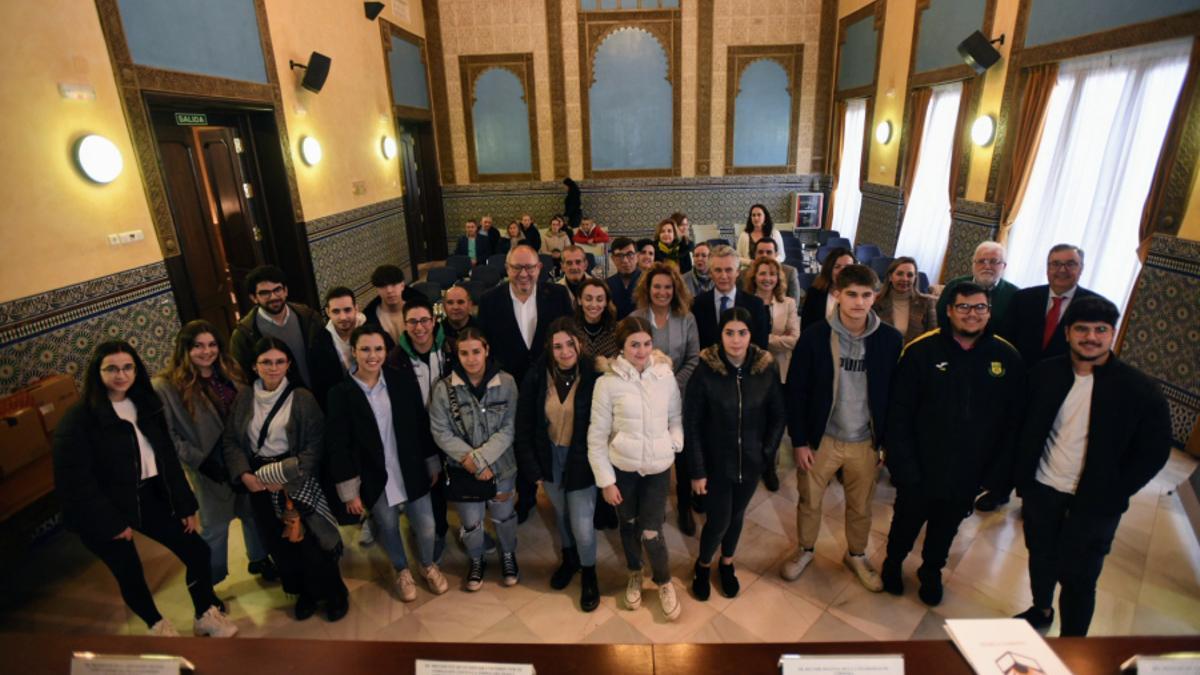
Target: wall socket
x,y
129,237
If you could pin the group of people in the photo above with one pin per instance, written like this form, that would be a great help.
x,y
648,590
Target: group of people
x,y
593,390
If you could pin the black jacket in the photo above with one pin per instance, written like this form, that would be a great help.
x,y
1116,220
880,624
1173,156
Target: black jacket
x,y
1129,431
532,236
704,308
493,237
1025,320
324,366
809,385
483,247
247,334
953,414
533,429
622,296
812,312
500,324
97,468
354,447
733,419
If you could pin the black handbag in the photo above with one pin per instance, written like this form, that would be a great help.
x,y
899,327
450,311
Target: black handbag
x,y
213,466
237,484
462,485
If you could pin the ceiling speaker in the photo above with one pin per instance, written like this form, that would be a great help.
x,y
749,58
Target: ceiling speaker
x,y
315,71
977,51
372,9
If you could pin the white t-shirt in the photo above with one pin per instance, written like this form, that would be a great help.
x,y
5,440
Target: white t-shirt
x,y
526,315
1066,446
127,411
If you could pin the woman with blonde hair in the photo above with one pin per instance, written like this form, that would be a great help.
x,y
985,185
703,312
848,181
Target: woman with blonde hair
x,y
764,278
903,307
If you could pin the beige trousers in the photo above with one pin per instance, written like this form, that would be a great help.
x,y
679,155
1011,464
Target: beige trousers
x,y
859,465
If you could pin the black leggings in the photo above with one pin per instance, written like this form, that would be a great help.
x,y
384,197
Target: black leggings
x,y
304,567
159,524
726,502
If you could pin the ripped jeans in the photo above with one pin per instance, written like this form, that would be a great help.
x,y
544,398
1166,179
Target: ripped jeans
x,y
504,518
641,513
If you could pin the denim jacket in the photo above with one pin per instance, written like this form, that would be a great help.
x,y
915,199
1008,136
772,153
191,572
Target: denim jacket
x,y
489,423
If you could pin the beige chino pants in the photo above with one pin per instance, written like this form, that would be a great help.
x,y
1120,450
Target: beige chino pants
x,y
860,468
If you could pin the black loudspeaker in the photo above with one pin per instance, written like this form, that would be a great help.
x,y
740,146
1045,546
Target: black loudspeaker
x,y
372,9
315,72
977,51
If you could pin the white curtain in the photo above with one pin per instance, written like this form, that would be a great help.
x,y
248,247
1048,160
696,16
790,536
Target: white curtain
x,y
1105,124
926,226
847,198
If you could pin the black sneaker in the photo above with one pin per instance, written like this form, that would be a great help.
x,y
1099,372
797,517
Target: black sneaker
x,y
511,573
931,589
265,569
1037,618
893,580
475,575
701,587
306,606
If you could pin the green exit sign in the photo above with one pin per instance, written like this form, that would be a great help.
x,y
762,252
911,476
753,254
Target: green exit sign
x,y
191,119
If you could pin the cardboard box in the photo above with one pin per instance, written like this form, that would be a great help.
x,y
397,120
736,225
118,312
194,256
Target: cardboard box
x,y
53,396
22,440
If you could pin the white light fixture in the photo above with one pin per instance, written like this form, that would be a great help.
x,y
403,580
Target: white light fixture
x,y
98,158
883,132
388,147
310,150
983,131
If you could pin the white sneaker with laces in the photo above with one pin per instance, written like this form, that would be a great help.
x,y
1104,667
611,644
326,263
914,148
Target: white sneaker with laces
x,y
670,602
633,590
215,624
794,566
436,580
164,628
865,572
406,588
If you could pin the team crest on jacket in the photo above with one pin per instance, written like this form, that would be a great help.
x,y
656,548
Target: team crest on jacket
x,y
997,369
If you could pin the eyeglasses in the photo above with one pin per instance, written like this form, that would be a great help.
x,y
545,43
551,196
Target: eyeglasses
x,y
268,292
128,369
1060,265
991,262
624,256
423,321
523,269
268,363
965,308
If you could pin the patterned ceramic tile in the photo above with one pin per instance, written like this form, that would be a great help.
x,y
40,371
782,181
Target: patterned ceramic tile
x,y
879,217
348,246
970,224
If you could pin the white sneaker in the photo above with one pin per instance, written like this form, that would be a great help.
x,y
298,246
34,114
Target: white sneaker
x,y
794,566
164,628
215,624
864,571
366,536
436,580
406,588
670,603
633,590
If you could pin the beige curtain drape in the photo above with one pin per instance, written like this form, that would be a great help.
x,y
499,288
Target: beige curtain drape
x,y
1027,136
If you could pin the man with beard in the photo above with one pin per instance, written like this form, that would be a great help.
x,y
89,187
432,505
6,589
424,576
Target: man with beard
x,y
332,356
987,271
274,316
955,399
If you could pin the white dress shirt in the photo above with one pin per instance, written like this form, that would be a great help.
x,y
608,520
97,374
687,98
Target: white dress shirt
x,y
717,295
381,406
526,315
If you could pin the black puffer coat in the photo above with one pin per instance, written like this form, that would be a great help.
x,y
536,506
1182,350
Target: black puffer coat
x,y
533,429
733,419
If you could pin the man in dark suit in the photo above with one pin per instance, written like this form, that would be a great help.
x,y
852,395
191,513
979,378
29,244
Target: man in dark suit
x,y
707,307
515,316
473,244
625,279
1033,324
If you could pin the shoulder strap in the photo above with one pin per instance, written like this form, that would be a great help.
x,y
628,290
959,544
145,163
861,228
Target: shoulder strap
x,y
262,433
456,411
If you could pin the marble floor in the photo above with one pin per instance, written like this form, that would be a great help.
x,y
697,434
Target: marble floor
x,y
1150,585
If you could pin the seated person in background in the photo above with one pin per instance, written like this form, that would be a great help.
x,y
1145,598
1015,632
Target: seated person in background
x,y
492,234
574,267
818,302
666,243
556,240
697,278
683,234
758,226
901,305
530,233
645,253
987,265
387,309
511,239
473,244
591,233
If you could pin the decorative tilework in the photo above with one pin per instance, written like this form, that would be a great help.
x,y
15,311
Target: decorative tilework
x,y
56,331
879,216
346,247
970,224
1162,328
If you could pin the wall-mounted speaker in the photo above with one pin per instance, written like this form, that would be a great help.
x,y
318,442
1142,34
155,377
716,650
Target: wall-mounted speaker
x,y
372,9
315,71
977,51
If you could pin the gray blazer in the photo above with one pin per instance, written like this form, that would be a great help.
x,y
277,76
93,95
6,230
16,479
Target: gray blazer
x,y
679,340
194,435
304,429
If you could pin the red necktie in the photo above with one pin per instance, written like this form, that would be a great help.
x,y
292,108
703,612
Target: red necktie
x,y
1052,318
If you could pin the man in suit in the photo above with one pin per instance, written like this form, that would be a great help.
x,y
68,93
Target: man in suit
x,y
515,316
622,283
708,306
330,357
1033,325
473,244
492,234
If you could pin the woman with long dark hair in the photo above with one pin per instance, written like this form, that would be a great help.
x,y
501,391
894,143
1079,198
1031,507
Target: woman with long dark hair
x,y
116,471
758,226
818,302
597,318
273,447
198,388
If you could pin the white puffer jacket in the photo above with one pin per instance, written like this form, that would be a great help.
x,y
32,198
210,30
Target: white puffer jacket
x,y
637,419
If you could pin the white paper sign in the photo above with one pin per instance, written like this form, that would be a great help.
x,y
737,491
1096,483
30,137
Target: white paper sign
x,y
426,667
841,664
1187,663
1004,647
88,663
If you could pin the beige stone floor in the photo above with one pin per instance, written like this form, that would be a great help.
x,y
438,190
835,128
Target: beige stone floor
x,y
1150,585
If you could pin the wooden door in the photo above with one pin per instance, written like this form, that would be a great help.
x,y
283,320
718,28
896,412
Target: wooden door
x,y
229,193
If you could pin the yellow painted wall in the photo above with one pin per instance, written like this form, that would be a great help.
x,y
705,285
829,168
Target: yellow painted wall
x,y
54,224
350,115
1004,22
890,89
1190,228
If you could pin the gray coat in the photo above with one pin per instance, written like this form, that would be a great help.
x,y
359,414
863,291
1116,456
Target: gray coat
x,y
304,429
194,435
679,340
489,423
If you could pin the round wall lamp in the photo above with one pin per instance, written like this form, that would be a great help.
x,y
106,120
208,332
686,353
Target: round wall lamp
x,y
883,132
310,150
983,130
388,147
98,158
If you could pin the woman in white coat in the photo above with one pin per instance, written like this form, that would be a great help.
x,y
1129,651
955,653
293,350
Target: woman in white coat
x,y
636,430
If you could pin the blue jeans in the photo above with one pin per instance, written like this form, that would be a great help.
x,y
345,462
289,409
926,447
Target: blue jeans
x,y
573,510
387,529
219,505
504,518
